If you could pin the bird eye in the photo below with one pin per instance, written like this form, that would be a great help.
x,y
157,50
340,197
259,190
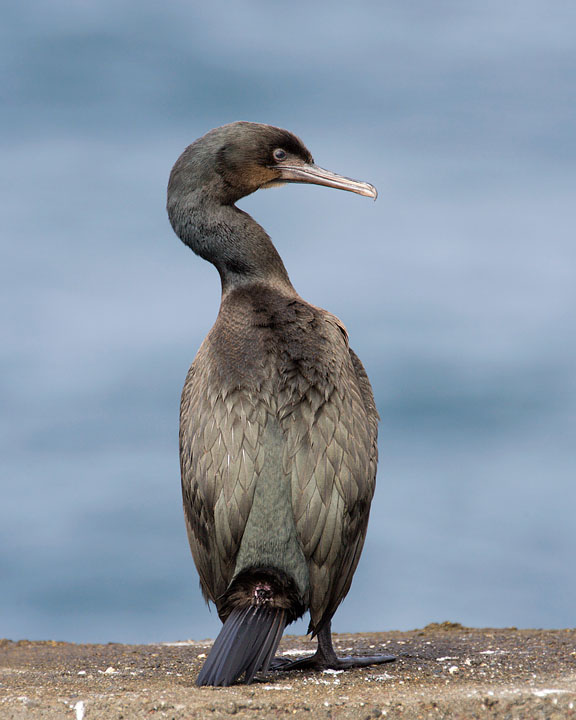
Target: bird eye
x,y
279,154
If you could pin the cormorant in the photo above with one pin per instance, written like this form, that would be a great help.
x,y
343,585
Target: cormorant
x,y
278,423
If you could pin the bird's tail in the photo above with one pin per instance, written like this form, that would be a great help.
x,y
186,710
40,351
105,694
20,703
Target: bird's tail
x,y
257,608
245,645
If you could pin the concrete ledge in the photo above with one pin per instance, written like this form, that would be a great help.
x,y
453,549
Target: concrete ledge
x,y
442,671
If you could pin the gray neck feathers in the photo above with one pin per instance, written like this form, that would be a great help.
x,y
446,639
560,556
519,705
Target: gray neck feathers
x,y
229,238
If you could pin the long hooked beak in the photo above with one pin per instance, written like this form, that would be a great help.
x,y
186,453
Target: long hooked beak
x,y
309,173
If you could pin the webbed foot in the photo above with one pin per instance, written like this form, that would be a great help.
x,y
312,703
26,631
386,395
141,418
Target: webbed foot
x,y
312,662
325,658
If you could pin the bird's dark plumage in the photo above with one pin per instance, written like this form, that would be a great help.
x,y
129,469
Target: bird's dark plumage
x,y
278,424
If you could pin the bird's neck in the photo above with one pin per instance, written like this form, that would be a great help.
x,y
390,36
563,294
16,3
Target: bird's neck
x,y
230,239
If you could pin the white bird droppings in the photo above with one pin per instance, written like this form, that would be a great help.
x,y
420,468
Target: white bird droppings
x,y
548,691
294,652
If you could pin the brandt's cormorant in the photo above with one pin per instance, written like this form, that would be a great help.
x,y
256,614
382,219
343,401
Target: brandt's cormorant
x,y
277,425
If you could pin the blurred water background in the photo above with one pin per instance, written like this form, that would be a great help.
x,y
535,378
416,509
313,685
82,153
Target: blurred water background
x,y
457,287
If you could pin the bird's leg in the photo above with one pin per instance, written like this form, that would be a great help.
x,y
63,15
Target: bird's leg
x,y
325,657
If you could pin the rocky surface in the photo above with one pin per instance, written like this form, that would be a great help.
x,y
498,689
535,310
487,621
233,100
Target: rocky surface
x,y
442,671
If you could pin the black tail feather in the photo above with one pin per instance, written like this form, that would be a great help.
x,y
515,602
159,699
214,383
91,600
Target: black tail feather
x,y
245,645
268,649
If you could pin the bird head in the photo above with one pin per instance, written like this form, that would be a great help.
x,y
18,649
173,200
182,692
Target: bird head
x,y
235,160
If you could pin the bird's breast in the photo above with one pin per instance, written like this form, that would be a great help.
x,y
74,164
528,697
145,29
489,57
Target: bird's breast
x,y
276,345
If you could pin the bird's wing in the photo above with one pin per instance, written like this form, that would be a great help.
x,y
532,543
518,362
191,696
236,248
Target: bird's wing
x,y
332,452
221,457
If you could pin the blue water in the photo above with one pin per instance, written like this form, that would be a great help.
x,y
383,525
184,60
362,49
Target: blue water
x,y
457,287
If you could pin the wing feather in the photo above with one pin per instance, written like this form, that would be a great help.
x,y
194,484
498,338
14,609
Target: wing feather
x,y
221,458
331,451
